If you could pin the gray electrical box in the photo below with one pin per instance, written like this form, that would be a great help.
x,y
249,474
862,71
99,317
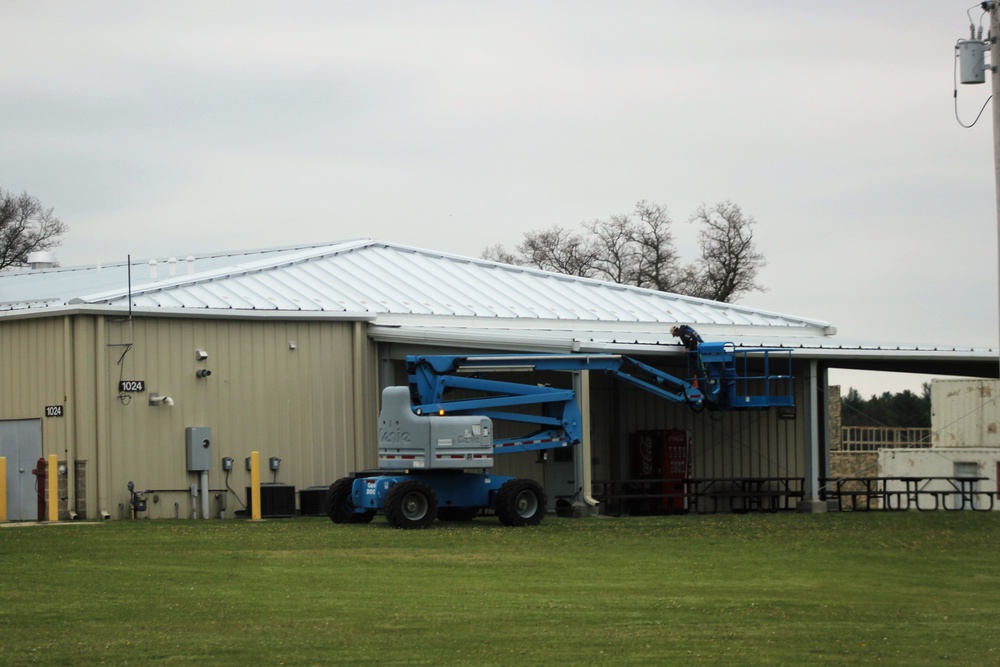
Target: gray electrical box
x,y
199,448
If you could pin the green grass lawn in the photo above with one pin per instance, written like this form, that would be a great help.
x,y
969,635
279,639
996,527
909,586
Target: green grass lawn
x,y
834,589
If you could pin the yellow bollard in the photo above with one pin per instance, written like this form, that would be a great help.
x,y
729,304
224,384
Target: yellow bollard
x,y
53,479
3,488
255,486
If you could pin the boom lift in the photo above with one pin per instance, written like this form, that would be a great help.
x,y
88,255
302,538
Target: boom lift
x,y
434,432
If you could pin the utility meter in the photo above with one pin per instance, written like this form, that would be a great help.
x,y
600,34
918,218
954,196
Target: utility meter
x,y
198,441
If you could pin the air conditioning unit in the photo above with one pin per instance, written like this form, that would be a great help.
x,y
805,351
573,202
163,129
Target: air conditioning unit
x,y
277,500
312,501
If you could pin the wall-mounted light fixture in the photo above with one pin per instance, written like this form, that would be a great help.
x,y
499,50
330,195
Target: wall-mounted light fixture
x,y
200,354
156,399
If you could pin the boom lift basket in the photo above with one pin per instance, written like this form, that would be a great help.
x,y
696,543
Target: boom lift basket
x,y
737,379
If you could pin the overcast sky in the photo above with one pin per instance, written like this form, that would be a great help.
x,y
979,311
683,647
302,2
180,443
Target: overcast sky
x,y
175,128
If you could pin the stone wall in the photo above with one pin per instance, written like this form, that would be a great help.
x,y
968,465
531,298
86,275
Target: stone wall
x,y
80,471
853,464
836,430
847,464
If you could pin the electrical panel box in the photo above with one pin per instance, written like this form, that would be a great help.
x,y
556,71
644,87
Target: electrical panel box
x,y
199,448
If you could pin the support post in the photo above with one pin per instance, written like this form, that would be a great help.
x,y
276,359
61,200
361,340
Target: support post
x,y
255,485
994,70
810,502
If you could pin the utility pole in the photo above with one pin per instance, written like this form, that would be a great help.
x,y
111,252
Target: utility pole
x,y
970,52
994,41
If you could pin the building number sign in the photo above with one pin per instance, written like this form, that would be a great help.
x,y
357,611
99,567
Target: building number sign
x,y
53,411
134,386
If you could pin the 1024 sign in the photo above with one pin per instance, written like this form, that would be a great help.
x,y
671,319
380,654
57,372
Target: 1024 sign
x,y
132,386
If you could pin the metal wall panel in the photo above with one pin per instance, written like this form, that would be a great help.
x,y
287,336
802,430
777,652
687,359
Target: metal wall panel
x,y
723,444
32,356
295,390
310,403
37,382
965,413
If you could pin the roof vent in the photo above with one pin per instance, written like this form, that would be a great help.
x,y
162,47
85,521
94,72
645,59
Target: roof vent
x,y
43,259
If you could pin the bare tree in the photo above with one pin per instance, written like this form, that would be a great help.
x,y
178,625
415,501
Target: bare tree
x,y
25,227
615,256
497,253
638,249
560,250
658,265
729,257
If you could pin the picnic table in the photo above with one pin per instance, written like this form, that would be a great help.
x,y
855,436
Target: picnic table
x,y
924,493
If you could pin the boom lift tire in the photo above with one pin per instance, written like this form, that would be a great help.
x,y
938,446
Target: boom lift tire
x,y
339,507
458,513
411,504
520,502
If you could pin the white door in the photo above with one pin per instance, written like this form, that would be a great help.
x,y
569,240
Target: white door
x,y
21,444
967,469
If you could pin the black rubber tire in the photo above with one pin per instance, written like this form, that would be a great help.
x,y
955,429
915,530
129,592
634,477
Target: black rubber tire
x,y
411,505
458,513
339,507
520,502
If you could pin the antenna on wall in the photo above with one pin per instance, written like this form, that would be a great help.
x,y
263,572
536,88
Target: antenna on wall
x,y
129,264
123,396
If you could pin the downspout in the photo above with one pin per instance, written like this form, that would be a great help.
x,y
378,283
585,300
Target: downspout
x,y
69,430
102,448
585,504
360,398
204,495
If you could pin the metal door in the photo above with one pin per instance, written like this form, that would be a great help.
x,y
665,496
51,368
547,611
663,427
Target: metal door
x,y
560,475
21,443
968,499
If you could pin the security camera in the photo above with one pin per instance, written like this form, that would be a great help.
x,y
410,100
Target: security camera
x,y
202,373
169,402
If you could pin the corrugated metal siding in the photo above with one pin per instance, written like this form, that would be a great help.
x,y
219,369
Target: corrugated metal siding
x,y
33,359
965,413
299,405
35,363
723,444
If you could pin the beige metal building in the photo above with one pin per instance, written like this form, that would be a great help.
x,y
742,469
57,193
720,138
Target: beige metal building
x,y
285,351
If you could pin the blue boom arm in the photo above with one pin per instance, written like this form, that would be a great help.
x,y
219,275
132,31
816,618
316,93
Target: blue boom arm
x,y
557,416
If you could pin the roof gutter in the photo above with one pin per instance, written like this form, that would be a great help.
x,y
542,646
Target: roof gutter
x,y
211,313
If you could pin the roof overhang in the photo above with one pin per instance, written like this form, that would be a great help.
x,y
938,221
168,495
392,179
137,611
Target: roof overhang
x,y
900,358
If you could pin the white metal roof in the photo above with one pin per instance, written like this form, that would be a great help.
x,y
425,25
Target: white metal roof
x,y
393,282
